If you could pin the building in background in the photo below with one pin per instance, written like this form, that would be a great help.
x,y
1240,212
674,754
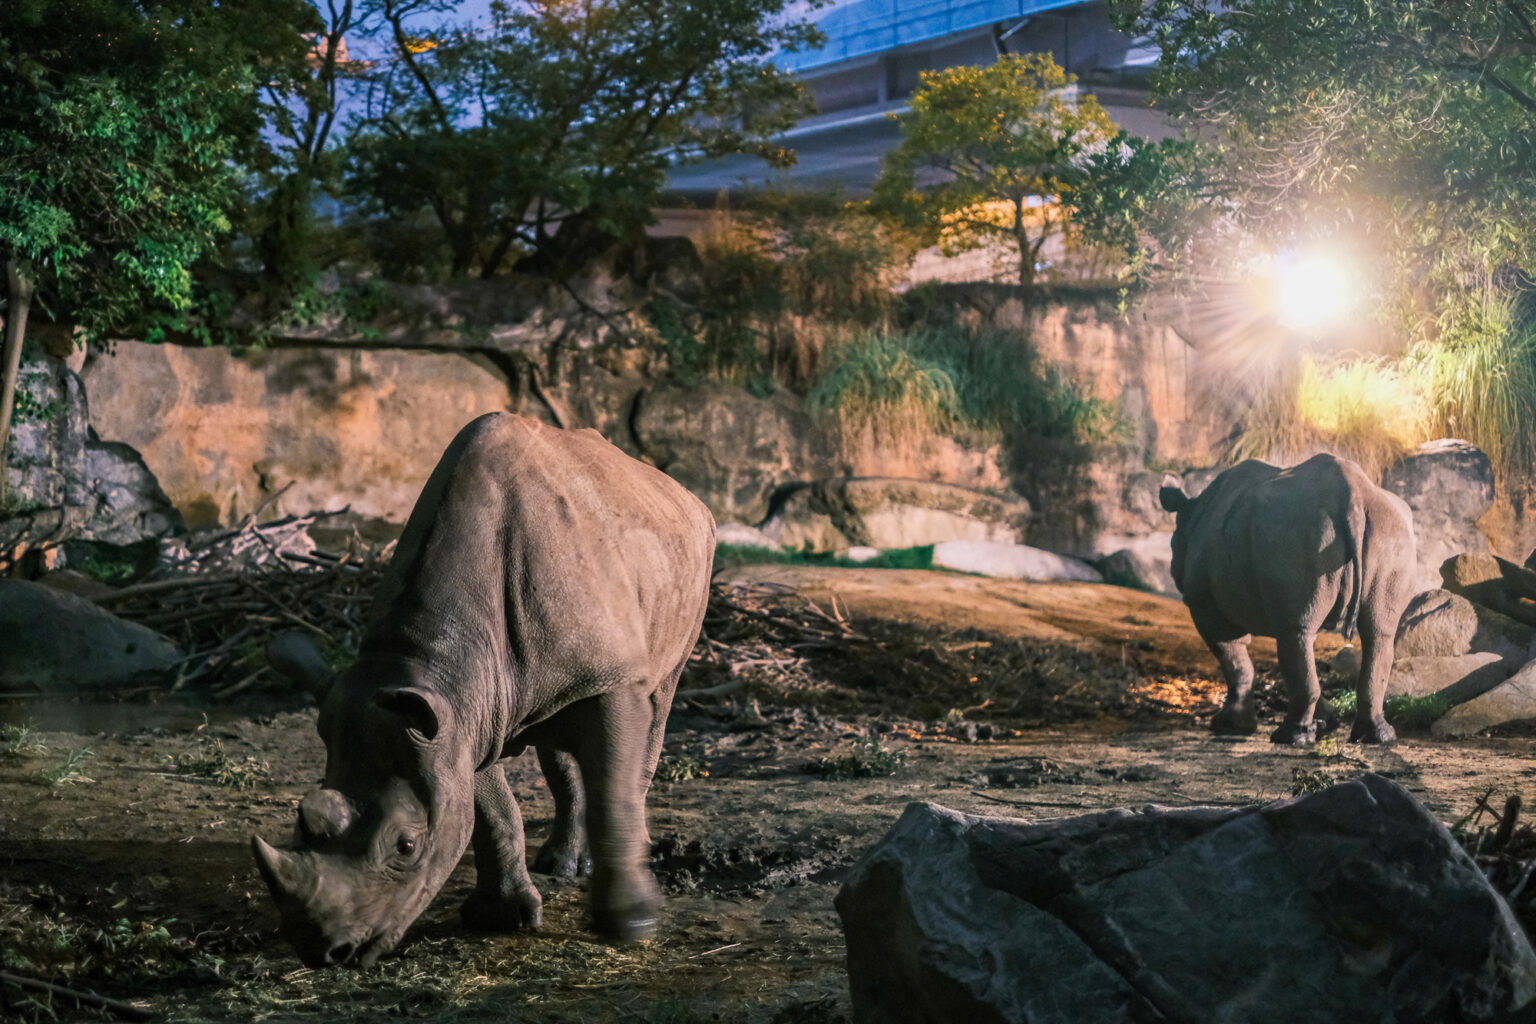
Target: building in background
x,y
874,53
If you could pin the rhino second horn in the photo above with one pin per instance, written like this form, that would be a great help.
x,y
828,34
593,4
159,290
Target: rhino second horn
x,y
324,814
284,874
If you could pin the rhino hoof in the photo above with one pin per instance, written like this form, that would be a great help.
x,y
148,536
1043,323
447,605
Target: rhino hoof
x,y
563,862
1235,720
1372,730
494,912
1294,735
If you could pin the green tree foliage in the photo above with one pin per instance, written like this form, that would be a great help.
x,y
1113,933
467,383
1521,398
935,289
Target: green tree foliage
x,y
1404,130
550,131
1005,152
121,122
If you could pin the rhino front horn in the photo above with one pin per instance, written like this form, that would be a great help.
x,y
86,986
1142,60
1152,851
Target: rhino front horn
x,y
283,872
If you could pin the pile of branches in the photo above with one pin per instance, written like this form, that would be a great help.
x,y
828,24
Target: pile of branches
x,y
222,599
1506,851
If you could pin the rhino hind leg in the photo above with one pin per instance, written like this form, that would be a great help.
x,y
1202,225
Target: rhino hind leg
x,y
565,853
504,898
1371,690
1303,691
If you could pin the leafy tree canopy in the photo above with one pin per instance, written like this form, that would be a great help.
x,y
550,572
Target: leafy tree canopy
x,y
122,122
551,130
1005,153
1406,131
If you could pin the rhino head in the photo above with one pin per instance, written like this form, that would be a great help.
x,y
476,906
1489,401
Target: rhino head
x,y
387,826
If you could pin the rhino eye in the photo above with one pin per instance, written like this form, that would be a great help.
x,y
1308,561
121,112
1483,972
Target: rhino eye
x,y
405,846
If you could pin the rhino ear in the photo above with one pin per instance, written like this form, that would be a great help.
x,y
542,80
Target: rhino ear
x,y
424,710
1172,495
295,656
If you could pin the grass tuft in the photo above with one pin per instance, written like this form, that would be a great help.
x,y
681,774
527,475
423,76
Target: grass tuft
x,y
71,772
869,759
920,557
212,762
21,739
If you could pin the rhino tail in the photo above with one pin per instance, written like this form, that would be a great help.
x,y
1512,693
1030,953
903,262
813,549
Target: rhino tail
x,y
1353,532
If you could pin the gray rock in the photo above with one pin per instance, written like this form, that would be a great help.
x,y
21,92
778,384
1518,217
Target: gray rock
x,y
1449,485
1141,569
1011,561
742,536
1488,580
57,643
1353,904
889,512
1513,700
1346,663
1456,679
130,507
1438,623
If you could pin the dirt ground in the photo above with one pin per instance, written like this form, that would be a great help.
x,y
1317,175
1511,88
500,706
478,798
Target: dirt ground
x,y
137,881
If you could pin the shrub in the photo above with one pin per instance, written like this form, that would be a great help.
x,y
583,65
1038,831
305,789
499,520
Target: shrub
x,y
869,759
877,383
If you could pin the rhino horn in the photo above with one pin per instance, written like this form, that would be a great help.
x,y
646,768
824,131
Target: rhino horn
x,y
284,873
324,814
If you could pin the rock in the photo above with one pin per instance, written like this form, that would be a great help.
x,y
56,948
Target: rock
x,y
889,512
1513,700
129,505
1456,679
57,643
732,449
1143,567
1346,663
1449,486
1352,904
1486,579
861,554
1011,561
1438,623
742,536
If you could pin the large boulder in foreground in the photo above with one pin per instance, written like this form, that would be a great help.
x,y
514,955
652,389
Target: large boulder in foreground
x,y
1353,904
1440,624
1448,485
1455,679
57,643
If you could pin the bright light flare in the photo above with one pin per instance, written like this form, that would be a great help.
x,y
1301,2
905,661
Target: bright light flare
x,y
1306,291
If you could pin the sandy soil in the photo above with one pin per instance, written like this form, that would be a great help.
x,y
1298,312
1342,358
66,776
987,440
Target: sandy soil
x,y
751,854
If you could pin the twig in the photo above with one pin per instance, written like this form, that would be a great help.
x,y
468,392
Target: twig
x,y
1027,803
82,997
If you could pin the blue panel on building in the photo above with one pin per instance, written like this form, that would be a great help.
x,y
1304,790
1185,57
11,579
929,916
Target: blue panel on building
x,y
858,28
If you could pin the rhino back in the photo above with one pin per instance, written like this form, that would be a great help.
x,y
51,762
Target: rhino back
x,y
1269,552
547,562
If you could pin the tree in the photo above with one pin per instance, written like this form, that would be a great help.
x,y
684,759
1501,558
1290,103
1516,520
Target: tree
x,y
997,153
1406,131
121,122
550,131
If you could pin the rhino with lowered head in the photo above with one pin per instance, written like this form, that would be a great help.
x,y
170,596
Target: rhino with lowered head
x,y
546,592
1285,553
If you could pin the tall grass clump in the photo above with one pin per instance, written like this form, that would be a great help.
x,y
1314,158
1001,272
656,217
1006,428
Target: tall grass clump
x,y
1481,376
1003,384
877,384
951,379
1370,410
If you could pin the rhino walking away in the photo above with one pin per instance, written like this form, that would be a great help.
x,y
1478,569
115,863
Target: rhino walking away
x,y
1285,553
546,592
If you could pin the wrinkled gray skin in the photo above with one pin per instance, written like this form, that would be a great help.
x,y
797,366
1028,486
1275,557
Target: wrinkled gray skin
x,y
1285,553
546,592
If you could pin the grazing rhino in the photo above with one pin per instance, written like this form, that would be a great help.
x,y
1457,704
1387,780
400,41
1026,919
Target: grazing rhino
x,y
1284,553
546,592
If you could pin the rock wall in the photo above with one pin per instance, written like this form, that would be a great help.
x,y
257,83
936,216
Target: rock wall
x,y
223,432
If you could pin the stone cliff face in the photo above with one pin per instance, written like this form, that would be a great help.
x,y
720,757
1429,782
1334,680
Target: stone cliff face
x,y
361,422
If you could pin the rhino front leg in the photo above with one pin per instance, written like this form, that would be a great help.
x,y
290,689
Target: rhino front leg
x,y
504,898
565,852
1299,671
1371,688
626,902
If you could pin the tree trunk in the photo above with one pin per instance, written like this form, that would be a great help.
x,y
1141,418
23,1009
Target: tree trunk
x,y
1026,251
18,273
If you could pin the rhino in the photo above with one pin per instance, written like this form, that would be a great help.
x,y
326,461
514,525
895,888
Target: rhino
x,y
1285,553
547,591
